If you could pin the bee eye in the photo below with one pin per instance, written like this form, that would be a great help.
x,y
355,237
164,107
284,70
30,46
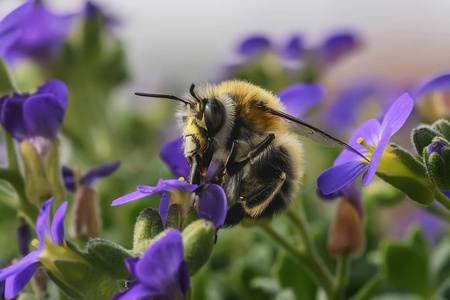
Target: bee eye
x,y
214,116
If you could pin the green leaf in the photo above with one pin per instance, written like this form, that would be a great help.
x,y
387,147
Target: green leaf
x,y
7,84
418,241
440,262
82,281
413,188
407,267
109,258
292,275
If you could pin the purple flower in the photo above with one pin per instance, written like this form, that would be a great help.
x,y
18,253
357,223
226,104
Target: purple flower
x,y
18,275
436,146
36,117
353,102
32,31
94,11
161,272
336,46
212,205
437,84
432,96
371,139
294,54
89,178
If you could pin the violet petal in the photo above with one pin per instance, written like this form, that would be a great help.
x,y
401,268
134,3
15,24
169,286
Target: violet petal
x,y
57,231
370,132
56,88
159,266
164,208
397,114
438,83
10,30
375,160
18,275
336,177
338,45
102,171
294,48
43,116
137,291
12,116
254,45
43,223
129,198
212,205
172,154
68,179
298,98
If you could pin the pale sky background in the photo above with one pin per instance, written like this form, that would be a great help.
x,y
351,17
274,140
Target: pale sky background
x,y
187,41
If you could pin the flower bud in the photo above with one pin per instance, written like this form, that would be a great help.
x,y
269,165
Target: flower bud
x,y
347,232
407,174
42,172
148,225
437,161
86,214
24,239
37,187
173,219
443,126
198,240
422,137
191,216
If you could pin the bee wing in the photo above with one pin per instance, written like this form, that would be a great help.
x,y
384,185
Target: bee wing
x,y
312,132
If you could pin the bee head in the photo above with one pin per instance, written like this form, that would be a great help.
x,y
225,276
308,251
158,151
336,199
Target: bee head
x,y
203,121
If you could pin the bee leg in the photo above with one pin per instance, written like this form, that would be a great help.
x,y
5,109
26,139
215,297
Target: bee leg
x,y
232,166
256,204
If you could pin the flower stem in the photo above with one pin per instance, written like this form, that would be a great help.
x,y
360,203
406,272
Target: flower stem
x,y
442,199
320,274
342,269
438,212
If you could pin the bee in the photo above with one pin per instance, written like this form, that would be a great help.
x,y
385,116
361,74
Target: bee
x,y
255,145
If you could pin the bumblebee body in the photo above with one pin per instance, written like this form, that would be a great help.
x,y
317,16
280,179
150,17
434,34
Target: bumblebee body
x,y
258,158
242,132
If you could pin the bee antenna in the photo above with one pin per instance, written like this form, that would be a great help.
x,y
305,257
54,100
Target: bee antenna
x,y
161,96
191,91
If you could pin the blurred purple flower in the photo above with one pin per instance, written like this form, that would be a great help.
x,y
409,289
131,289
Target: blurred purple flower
x,y
160,273
24,239
18,275
32,31
349,104
336,46
350,192
433,96
94,11
36,117
212,205
294,54
89,178
437,83
370,139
